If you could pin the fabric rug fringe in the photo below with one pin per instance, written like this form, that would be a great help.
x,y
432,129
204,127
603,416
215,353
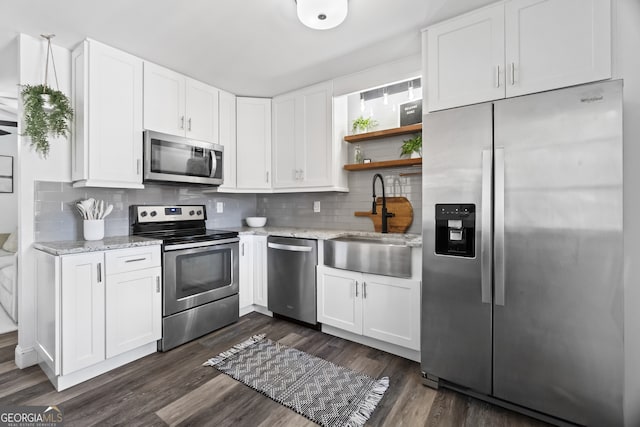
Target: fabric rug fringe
x,y
368,405
234,350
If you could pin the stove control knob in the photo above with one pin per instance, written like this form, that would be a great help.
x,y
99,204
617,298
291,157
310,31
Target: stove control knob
x,y
143,214
199,212
153,213
191,213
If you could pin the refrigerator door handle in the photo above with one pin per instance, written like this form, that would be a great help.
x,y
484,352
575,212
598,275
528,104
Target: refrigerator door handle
x,y
499,227
485,249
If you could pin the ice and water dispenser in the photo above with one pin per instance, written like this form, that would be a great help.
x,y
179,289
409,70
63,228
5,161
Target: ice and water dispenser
x,y
456,229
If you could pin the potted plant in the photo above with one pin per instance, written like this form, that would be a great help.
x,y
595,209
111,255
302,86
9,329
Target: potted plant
x,y
47,112
363,125
412,146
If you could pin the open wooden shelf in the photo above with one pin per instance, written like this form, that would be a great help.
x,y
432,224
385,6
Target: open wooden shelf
x,y
383,164
384,133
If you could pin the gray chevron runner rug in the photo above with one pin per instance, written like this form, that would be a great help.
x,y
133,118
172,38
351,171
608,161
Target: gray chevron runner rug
x,y
325,393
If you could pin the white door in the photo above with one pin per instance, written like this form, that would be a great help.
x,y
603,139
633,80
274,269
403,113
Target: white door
x,y
201,111
246,267
391,310
286,142
83,300
259,255
133,309
164,100
253,138
227,137
465,59
314,153
340,299
115,115
556,43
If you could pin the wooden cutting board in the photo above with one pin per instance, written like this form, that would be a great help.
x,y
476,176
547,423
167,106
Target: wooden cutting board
x,y
400,222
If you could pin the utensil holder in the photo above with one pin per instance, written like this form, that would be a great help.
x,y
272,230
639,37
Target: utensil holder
x,y
93,229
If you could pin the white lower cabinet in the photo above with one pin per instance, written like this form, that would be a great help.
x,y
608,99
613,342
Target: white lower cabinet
x,y
380,307
82,311
96,311
133,310
253,272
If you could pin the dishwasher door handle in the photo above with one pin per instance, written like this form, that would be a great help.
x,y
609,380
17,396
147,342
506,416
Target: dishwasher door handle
x,y
290,247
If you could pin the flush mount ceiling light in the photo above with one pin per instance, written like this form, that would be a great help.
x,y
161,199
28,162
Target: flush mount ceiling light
x,y
322,14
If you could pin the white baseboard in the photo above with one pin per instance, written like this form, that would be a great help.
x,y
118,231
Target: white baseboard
x,y
407,353
63,382
25,357
251,308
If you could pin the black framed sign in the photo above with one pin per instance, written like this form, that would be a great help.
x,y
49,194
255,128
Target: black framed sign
x,y
6,174
410,112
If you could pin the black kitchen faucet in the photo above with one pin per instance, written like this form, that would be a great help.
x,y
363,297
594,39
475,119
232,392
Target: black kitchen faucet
x,y
385,215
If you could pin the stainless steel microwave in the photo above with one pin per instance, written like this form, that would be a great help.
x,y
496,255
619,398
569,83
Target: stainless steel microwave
x,y
180,160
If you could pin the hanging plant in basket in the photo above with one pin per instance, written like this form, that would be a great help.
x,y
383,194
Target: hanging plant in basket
x,y
47,111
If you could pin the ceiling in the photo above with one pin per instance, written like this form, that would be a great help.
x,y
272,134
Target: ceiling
x,y
248,47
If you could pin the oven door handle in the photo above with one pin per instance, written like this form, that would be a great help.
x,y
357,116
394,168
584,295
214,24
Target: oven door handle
x,y
200,244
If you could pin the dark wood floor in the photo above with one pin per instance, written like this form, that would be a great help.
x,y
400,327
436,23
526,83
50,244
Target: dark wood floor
x,y
174,389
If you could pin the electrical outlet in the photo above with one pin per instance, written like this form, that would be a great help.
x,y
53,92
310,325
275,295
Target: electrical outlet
x,y
219,207
316,206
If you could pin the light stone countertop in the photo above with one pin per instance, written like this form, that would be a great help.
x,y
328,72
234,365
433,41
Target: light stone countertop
x,y
68,247
412,240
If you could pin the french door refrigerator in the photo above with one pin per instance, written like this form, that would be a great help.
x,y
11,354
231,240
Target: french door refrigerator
x,y
522,300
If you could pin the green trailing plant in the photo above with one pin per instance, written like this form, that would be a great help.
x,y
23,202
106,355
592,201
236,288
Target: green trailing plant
x,y
412,144
363,125
42,121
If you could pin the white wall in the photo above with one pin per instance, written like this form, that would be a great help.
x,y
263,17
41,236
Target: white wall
x,y
626,65
31,168
9,201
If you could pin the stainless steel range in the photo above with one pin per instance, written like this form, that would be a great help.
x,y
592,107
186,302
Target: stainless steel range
x,y
199,267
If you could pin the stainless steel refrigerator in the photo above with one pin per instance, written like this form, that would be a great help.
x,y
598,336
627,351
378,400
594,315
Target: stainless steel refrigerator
x,y
522,299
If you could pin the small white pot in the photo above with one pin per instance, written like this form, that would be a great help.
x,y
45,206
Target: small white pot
x,y
416,154
93,229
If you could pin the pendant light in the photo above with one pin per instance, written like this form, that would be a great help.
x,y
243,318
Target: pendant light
x,y
322,14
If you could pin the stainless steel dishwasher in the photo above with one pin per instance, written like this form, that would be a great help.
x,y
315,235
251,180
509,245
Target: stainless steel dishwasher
x,y
292,278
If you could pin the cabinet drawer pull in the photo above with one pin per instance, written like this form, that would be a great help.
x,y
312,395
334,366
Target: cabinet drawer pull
x,y
136,259
513,73
99,272
182,122
267,177
189,124
242,246
138,166
364,290
356,289
497,75
158,284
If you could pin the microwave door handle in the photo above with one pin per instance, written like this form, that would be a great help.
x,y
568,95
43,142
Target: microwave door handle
x,y
214,163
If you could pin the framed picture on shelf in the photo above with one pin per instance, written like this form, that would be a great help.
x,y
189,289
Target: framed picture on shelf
x,y
410,112
6,174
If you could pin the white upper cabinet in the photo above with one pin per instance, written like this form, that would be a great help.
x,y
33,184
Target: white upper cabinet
x,y
556,43
107,130
178,105
253,139
304,152
227,138
517,47
465,59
